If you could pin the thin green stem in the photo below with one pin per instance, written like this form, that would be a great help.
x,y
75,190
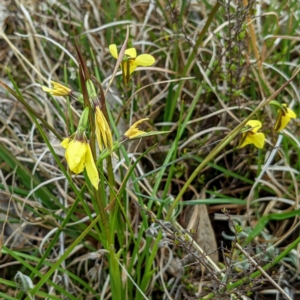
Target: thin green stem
x,y
68,251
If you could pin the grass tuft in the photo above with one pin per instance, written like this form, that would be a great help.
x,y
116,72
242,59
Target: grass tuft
x,y
156,194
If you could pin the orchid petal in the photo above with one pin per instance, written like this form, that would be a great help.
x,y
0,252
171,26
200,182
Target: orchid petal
x,y
75,155
133,131
285,115
132,66
258,139
65,142
254,124
91,168
114,51
145,60
131,52
103,132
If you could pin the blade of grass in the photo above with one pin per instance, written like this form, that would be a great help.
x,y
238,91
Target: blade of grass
x,y
264,220
63,257
36,273
26,176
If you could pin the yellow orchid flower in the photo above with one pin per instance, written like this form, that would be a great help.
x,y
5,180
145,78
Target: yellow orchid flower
x,y
285,114
131,61
79,157
103,132
133,132
58,89
251,136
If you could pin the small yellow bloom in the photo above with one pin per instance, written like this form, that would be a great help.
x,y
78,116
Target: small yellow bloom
x,y
133,132
252,136
130,60
79,157
58,89
285,114
103,133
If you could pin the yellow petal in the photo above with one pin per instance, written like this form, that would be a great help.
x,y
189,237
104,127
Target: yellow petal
x,y
285,114
132,66
278,125
281,122
75,155
139,122
254,124
110,143
114,51
244,141
91,168
125,66
98,131
290,113
65,143
103,132
58,89
258,139
131,52
58,86
145,60
46,89
108,137
102,125
133,131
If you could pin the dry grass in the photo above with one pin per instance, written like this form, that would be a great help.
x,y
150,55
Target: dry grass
x,y
239,213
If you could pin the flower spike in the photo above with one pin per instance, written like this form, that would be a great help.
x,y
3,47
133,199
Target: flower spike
x,y
252,136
